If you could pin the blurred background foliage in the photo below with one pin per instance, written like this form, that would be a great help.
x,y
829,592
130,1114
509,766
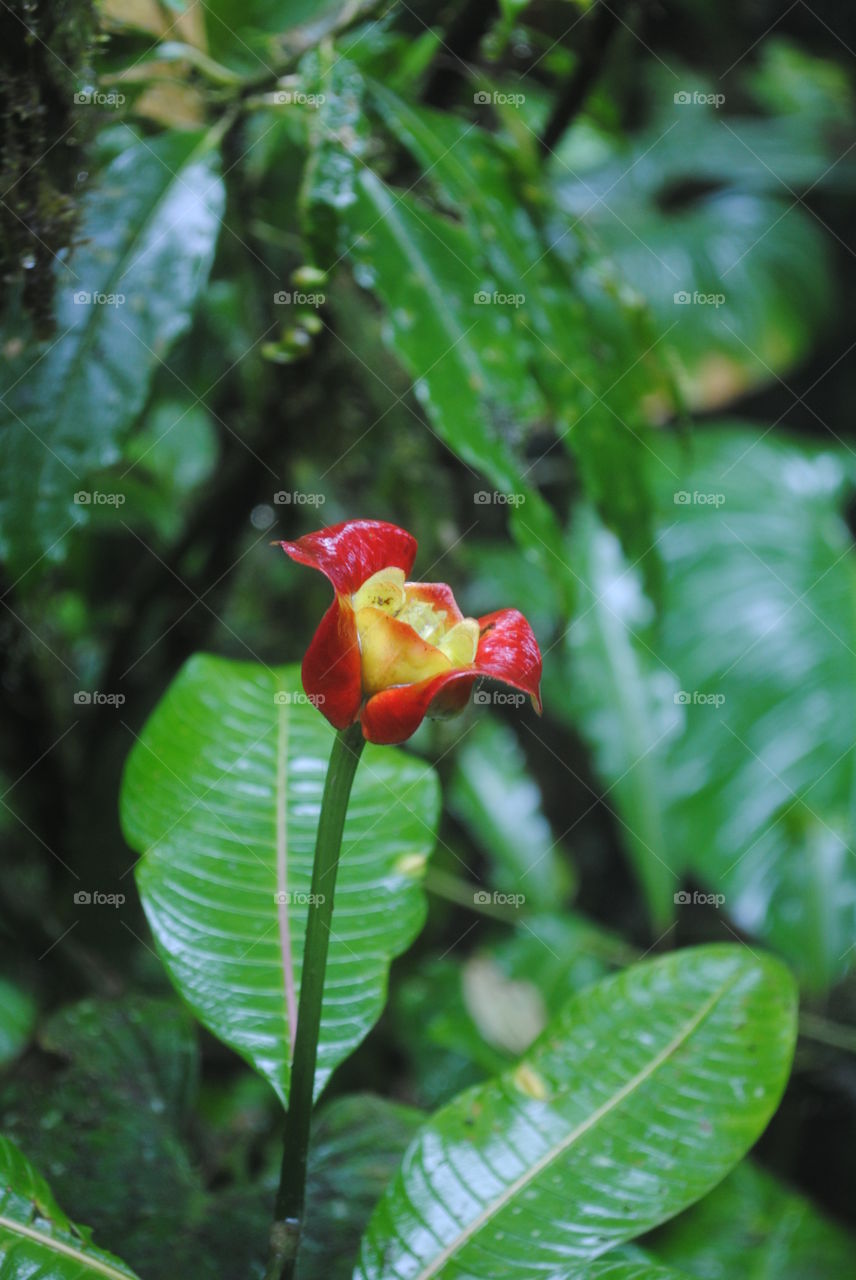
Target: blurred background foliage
x,y
561,287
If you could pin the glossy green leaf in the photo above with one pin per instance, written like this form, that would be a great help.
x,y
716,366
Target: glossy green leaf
x,y
467,358
17,1019
623,702
221,795
37,1240
125,294
580,335
734,716
638,1098
755,1227
454,346
492,793
761,589
622,1268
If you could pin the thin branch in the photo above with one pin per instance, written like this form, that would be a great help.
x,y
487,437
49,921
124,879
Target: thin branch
x,y
601,29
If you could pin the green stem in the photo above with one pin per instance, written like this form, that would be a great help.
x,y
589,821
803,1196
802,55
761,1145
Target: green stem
x,y
285,1232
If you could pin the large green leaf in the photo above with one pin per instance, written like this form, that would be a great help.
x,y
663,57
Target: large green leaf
x,y
755,1227
759,612
619,701
638,1098
147,241
580,337
357,1146
464,355
725,732
622,1268
221,794
469,358
36,1237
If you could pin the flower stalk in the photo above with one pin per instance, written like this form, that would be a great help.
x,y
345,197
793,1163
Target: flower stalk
x,y
288,1222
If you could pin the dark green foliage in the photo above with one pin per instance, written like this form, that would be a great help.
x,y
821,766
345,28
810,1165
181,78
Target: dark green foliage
x,y
565,292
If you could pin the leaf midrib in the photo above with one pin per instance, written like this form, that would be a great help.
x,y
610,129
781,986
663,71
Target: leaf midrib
x,y
553,1154
283,921
58,1246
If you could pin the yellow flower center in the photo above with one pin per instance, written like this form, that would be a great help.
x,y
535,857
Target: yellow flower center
x,y
404,639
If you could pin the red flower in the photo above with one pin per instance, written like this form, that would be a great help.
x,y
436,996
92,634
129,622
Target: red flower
x,y
389,652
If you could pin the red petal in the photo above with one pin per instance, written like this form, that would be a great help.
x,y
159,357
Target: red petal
x,y
437,594
508,651
350,552
331,666
393,715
